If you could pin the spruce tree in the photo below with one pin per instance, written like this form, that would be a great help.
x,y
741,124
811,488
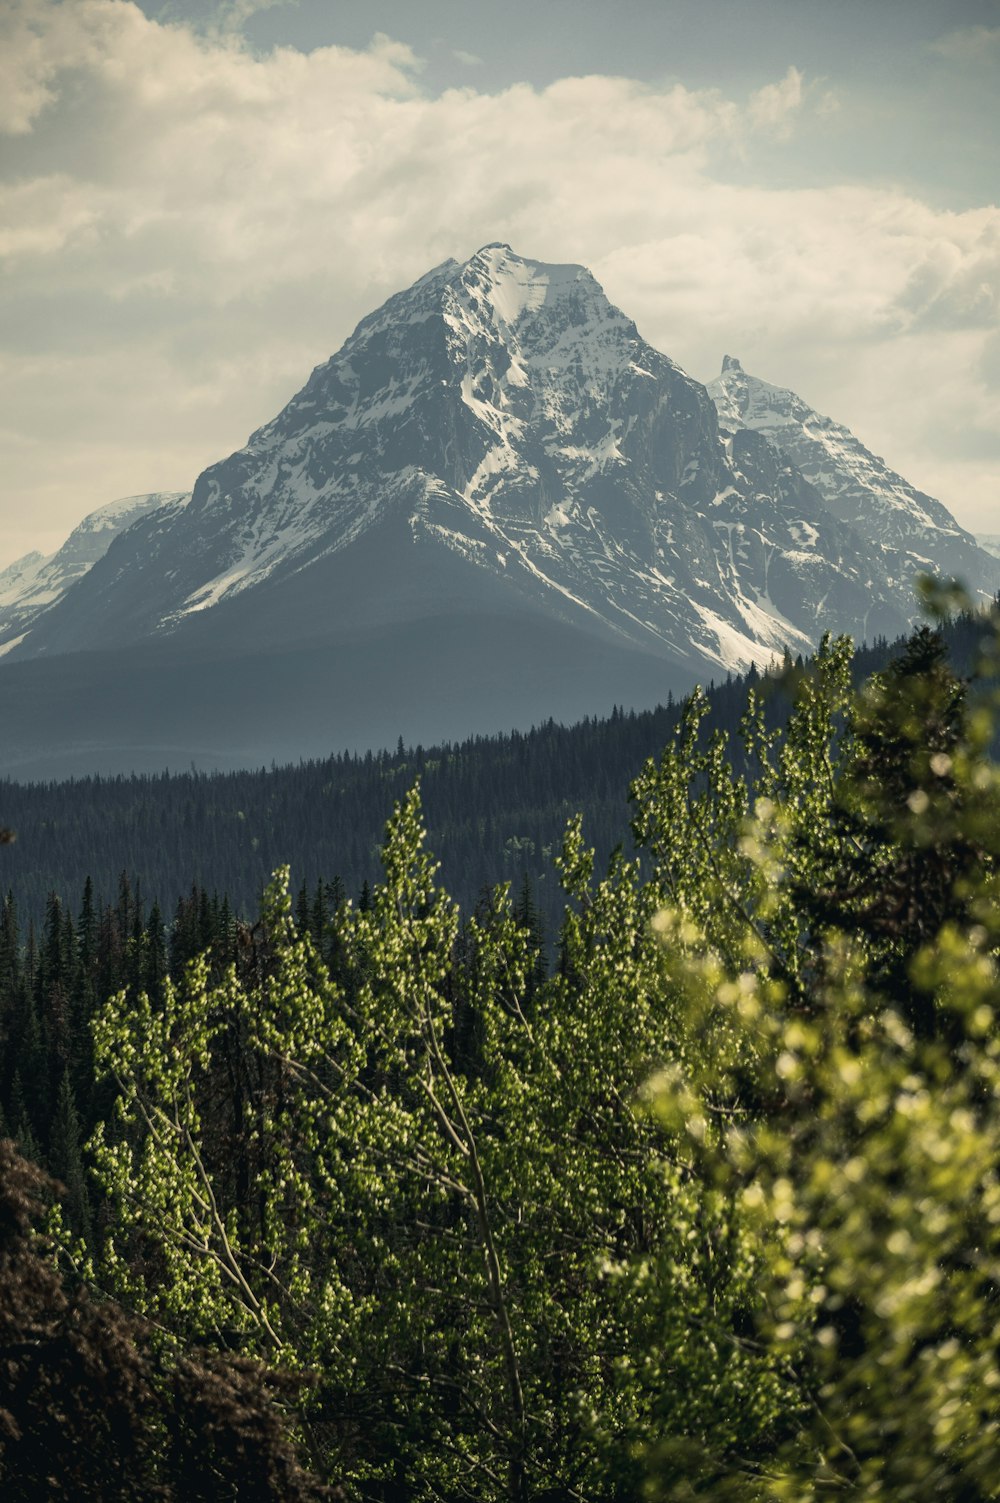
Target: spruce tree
x,y
66,1160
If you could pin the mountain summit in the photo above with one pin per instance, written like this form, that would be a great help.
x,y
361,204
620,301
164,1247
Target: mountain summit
x,y
497,502
503,412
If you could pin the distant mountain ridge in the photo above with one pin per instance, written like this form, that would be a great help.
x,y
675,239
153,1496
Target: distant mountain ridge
x,y
496,503
34,583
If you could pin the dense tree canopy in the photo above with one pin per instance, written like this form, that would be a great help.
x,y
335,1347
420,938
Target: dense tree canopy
x,y
704,1205
495,806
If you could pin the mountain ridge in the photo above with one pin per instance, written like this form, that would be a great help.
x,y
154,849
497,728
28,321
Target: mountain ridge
x,y
494,504
857,486
35,583
512,415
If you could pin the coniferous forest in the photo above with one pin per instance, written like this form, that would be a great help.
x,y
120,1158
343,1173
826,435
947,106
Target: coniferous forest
x,y
647,1148
496,810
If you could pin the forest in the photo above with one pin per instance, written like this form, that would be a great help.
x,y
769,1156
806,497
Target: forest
x,y
374,1194
496,808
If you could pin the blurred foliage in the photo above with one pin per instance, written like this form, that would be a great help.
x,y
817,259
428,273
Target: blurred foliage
x,y
847,1096
92,1407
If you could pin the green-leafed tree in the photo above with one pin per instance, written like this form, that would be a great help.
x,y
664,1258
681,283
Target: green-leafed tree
x,y
449,1223
868,1147
712,1209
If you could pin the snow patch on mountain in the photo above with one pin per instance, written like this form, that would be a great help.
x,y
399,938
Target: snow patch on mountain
x,y
503,413
20,576
856,485
36,582
6,647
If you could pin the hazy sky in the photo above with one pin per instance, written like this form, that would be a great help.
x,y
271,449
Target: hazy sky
x,y
200,200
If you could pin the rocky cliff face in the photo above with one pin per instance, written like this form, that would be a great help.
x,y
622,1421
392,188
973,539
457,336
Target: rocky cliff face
x,y
501,413
856,486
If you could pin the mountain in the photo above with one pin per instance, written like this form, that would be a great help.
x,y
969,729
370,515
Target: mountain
x,y
990,543
504,413
495,504
35,582
856,485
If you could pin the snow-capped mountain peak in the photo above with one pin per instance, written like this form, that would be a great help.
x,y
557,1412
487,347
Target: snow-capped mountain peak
x,y
34,583
500,424
856,485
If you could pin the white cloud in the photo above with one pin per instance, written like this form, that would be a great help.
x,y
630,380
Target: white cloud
x,y
192,227
969,45
469,59
774,107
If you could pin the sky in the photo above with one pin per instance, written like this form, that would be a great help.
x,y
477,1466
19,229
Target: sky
x,y
201,198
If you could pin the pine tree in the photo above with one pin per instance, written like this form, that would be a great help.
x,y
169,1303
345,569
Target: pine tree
x,y
154,955
21,1121
65,1160
528,916
904,859
11,985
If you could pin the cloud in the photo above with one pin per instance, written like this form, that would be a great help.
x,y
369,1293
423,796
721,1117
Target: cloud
x,y
969,45
231,16
774,107
241,173
191,227
470,59
956,282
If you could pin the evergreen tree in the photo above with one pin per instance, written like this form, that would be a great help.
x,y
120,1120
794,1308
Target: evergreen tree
x,y
66,1160
154,947
21,1121
897,878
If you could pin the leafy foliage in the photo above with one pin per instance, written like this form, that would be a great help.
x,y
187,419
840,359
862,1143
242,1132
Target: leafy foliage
x,y
871,1138
449,1191
705,1206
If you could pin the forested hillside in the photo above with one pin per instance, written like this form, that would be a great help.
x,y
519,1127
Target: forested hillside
x,y
496,808
704,1206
